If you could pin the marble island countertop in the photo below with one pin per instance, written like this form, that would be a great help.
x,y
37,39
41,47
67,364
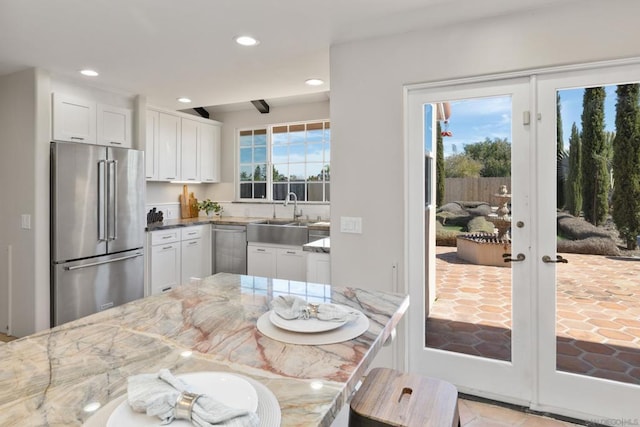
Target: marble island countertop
x,y
50,377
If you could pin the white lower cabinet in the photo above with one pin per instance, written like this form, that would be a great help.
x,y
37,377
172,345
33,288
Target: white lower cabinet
x,y
164,262
319,267
290,264
261,261
278,262
178,255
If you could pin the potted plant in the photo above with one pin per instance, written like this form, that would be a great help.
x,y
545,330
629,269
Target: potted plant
x,y
210,207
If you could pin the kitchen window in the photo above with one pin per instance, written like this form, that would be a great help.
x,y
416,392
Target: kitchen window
x,y
283,158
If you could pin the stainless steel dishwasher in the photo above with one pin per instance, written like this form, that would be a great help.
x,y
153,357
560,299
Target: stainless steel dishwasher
x,y
229,249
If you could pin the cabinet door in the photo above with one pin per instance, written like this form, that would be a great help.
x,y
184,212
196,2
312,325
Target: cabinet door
x,y
261,261
318,268
291,264
209,152
74,119
114,126
168,147
151,146
165,267
191,260
190,168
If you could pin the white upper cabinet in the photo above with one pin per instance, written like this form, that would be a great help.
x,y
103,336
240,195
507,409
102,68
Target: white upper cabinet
x,y
168,147
74,119
114,126
190,166
180,148
83,120
151,146
209,152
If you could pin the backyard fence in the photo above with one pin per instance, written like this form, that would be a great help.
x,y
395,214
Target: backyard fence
x,y
474,189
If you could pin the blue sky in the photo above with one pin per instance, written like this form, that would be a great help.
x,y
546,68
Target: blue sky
x,y
474,120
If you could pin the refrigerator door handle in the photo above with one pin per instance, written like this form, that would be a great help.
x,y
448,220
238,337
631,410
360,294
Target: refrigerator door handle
x,y
101,199
112,200
93,264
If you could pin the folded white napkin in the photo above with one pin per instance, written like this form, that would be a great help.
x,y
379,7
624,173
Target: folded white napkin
x,y
290,307
156,394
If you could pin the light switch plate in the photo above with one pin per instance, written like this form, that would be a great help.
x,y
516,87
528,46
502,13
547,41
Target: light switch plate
x,y
351,224
25,221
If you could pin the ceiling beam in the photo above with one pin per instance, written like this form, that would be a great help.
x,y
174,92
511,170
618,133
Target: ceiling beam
x,y
204,113
261,105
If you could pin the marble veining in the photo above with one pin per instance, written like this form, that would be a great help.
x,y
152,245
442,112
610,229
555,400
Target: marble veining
x,y
49,377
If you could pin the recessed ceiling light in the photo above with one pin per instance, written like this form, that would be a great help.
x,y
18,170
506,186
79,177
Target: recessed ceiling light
x,y
89,73
184,100
314,82
246,41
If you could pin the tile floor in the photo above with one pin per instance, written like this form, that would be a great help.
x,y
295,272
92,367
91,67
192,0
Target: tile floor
x,y
481,414
5,338
598,313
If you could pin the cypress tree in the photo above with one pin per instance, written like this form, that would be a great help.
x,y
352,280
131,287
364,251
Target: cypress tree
x,y
574,182
440,175
626,165
595,178
560,155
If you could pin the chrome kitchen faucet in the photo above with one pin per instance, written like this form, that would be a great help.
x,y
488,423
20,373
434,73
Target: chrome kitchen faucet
x,y
296,214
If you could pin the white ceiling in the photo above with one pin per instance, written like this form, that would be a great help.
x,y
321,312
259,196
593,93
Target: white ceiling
x,y
165,49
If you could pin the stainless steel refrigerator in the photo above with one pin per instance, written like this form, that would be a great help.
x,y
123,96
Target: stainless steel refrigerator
x,y
97,229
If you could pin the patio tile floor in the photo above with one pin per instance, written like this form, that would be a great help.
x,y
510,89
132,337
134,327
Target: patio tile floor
x,y
598,313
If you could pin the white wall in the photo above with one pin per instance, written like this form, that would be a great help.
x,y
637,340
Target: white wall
x,y
24,167
25,135
166,193
367,118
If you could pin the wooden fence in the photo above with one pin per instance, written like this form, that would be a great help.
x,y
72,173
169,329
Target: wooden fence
x,y
474,189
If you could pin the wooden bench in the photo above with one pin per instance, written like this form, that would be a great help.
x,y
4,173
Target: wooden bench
x,y
392,398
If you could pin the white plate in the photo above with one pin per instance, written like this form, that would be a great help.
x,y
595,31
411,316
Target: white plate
x,y
309,326
226,388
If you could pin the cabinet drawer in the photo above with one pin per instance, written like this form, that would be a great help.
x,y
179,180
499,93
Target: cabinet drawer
x,y
165,236
194,232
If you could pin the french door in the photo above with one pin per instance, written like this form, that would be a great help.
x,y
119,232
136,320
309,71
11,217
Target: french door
x,y
532,331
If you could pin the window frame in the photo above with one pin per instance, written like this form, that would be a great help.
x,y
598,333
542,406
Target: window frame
x,y
269,161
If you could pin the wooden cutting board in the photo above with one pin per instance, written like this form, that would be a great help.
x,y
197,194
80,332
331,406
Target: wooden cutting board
x,y
185,209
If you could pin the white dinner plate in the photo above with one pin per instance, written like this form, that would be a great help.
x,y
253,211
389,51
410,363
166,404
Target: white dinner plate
x,y
309,326
228,389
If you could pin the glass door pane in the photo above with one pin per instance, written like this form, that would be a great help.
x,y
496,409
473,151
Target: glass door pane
x,y
598,290
471,313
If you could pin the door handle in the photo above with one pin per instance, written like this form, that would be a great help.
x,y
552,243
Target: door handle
x,y
558,259
519,257
94,264
102,216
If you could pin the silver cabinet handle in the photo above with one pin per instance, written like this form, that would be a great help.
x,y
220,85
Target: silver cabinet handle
x,y
77,138
291,252
93,264
260,250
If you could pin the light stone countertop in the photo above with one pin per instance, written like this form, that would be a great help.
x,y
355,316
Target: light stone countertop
x,y
224,220
318,246
49,377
